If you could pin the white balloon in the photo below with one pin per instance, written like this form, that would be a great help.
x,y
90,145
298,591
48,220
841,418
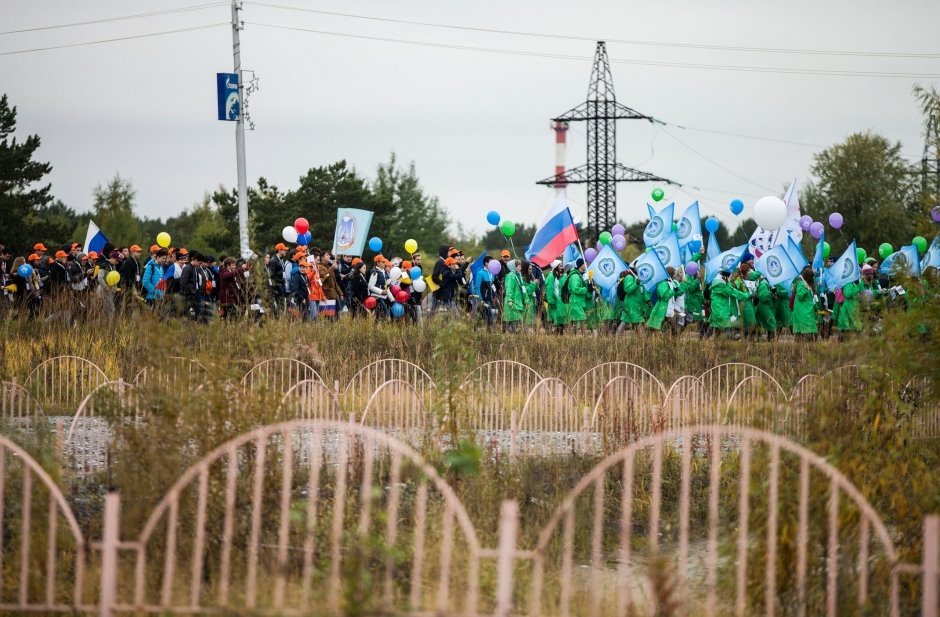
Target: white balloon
x,y
289,234
770,212
394,273
419,285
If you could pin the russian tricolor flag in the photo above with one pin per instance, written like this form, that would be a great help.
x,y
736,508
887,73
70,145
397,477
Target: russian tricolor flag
x,y
94,239
554,234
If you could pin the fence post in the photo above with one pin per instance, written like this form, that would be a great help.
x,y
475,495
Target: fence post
x,y
512,433
506,553
585,428
109,554
929,592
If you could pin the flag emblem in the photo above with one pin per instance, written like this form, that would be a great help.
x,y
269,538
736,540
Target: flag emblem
x,y
847,268
664,254
655,227
645,273
685,228
728,262
606,266
773,265
346,233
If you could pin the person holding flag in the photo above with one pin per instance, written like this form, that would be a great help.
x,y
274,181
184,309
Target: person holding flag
x,y
765,309
803,301
514,299
724,299
630,294
551,293
578,296
665,291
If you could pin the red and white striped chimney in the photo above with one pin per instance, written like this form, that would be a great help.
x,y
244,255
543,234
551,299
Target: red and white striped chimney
x,y
561,145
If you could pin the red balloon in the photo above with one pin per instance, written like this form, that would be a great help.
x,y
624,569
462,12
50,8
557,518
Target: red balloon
x,y
395,289
369,303
402,296
301,225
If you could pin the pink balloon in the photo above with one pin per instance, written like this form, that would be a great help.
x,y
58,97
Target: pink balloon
x,y
619,242
494,267
805,222
836,220
589,255
618,230
395,289
816,230
691,269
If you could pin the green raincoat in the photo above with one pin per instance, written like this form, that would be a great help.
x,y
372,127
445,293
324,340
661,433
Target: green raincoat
x,y
766,316
694,298
513,298
746,309
631,308
579,298
804,309
551,298
530,309
849,318
724,300
665,291
782,306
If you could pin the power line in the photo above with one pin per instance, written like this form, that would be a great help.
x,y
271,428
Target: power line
x,y
743,136
534,54
718,165
774,50
123,38
185,9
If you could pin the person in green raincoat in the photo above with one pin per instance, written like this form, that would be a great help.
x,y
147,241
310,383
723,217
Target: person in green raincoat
x,y
694,299
782,306
579,297
513,297
766,317
552,297
529,290
804,305
849,318
724,299
665,291
870,293
630,293
746,310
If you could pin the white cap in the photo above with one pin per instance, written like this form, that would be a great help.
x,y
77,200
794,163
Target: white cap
x,y
555,264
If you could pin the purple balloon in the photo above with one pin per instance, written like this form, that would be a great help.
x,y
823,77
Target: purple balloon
x,y
494,267
619,242
618,230
836,220
935,213
806,222
589,255
691,268
816,230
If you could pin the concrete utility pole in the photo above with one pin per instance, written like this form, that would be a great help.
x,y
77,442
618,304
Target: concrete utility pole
x,y
240,134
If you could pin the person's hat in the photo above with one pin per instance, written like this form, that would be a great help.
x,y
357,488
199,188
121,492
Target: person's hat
x,y
555,264
453,252
871,261
504,254
39,246
75,245
154,248
280,246
115,255
92,255
867,269
356,262
59,254
747,257
406,265
182,251
134,247
32,257
450,261
378,259
579,262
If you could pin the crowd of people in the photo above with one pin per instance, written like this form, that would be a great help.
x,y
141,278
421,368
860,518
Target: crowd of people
x,y
309,283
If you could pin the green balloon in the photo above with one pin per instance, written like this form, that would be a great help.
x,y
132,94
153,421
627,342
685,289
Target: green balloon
x,y
675,227
605,237
921,243
885,249
826,250
658,194
508,228
862,254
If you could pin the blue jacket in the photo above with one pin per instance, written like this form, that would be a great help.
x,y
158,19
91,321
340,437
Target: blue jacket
x,y
153,274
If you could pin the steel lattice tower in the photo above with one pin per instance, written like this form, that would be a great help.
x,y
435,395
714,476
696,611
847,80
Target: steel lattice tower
x,y
930,163
602,172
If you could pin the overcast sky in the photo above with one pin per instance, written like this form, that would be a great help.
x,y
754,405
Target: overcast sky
x,y
476,124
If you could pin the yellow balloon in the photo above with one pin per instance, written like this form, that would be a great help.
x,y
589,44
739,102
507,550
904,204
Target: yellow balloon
x,y
411,246
163,239
112,278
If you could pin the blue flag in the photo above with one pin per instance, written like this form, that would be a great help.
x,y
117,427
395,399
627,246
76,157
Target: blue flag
x,y
571,254
649,270
606,268
905,260
95,239
690,225
669,253
352,229
796,254
932,256
712,250
728,261
844,271
776,266
660,225
818,259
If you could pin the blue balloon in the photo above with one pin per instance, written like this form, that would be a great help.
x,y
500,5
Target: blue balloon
x,y
492,217
25,271
711,224
415,273
695,246
737,207
304,238
375,244
398,310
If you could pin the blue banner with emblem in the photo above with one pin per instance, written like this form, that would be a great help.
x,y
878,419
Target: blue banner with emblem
x,y
229,105
352,229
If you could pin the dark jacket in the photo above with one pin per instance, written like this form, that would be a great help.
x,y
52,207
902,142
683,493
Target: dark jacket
x,y
130,275
229,286
437,274
276,274
189,283
58,277
450,280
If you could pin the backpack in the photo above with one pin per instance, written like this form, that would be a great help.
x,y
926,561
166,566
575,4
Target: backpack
x,y
565,290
